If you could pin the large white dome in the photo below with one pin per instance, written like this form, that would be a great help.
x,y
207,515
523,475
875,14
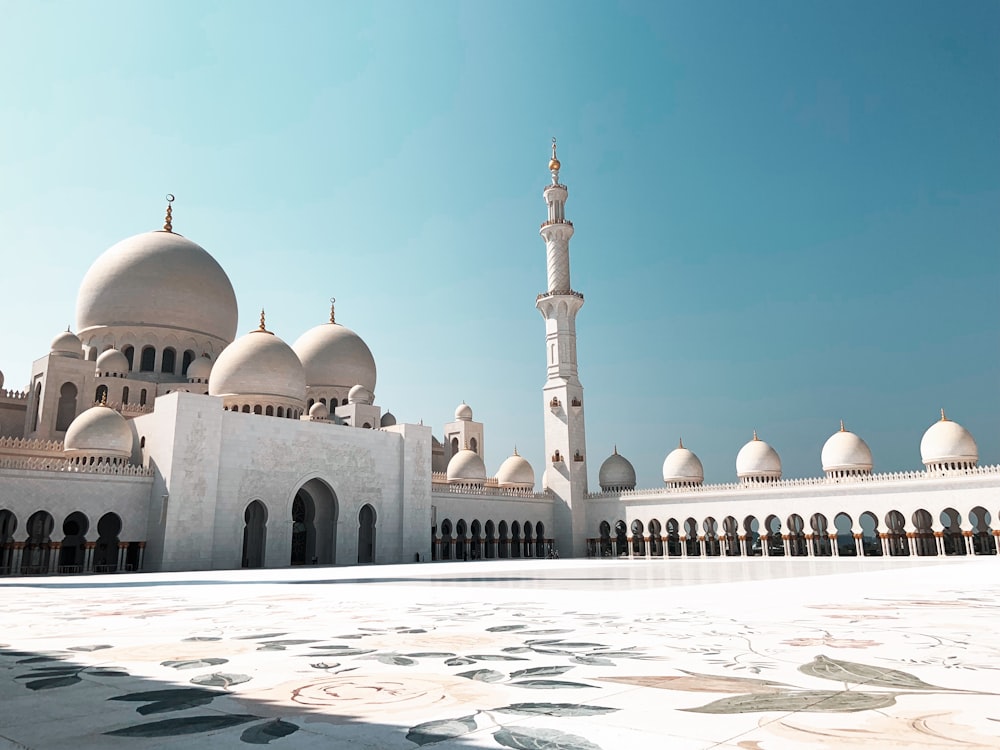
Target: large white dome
x,y
158,279
682,466
258,365
99,431
948,445
516,473
466,467
334,356
758,461
846,452
616,474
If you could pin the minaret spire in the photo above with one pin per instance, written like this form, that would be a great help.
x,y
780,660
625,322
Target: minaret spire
x,y
562,394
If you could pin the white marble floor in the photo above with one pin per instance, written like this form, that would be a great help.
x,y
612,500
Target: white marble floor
x,y
762,654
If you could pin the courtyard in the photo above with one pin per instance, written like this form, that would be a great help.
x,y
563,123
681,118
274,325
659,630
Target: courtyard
x,y
756,654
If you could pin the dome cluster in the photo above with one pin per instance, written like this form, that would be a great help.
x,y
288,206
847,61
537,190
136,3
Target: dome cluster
x,y
467,468
946,446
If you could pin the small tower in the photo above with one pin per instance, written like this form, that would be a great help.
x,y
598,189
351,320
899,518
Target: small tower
x,y
565,439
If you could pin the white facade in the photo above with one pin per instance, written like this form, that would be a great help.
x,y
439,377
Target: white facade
x,y
156,439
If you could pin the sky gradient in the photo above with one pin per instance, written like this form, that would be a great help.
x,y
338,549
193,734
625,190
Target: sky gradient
x,y
787,213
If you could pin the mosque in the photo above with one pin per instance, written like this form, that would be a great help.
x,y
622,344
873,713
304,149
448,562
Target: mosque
x,y
155,438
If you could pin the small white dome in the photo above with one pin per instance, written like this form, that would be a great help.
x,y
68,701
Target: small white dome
x,y
617,473
466,467
334,356
261,365
67,344
200,369
112,362
388,419
463,413
946,443
682,466
99,431
158,278
846,452
360,395
319,411
757,460
516,473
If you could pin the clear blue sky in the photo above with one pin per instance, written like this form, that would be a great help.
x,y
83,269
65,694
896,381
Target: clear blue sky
x,y
787,213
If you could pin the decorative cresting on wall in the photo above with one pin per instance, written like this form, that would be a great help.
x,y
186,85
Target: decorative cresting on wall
x,y
28,447
68,465
13,395
893,476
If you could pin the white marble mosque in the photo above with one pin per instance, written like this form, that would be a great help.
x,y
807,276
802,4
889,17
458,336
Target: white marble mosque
x,y
154,438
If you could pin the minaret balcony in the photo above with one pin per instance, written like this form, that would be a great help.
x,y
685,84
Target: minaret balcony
x,y
559,292
576,403
555,221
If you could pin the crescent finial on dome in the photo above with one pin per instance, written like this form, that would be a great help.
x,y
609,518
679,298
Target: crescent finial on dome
x,y
755,435
333,317
842,429
680,442
168,225
943,417
515,450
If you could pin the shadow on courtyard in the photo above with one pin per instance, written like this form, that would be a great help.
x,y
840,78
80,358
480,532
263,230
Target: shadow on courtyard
x,y
52,699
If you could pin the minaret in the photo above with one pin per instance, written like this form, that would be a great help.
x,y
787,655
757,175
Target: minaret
x,y
565,439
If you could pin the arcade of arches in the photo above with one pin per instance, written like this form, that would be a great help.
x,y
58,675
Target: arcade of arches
x,y
795,536
77,545
490,541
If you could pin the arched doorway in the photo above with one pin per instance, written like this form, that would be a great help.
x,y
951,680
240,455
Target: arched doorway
x,y
106,550
491,544
314,524
446,539
638,539
528,545
673,538
797,536
983,542
952,537
461,535
604,530
923,536
899,545
73,552
254,535
655,538
751,530
515,539
366,534
846,544
503,551
8,525
775,542
821,545
66,408
711,528
692,545
540,540
621,539
35,558
732,531
476,545
871,543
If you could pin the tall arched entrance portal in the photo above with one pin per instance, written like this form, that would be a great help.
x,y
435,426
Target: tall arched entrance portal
x,y
314,524
366,535
254,535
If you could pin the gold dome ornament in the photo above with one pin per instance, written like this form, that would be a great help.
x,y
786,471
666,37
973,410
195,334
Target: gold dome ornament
x,y
554,164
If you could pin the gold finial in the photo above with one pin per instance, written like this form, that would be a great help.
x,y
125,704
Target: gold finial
x,y
943,417
333,301
616,444
104,397
680,442
842,426
554,164
755,435
168,219
515,450
262,328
